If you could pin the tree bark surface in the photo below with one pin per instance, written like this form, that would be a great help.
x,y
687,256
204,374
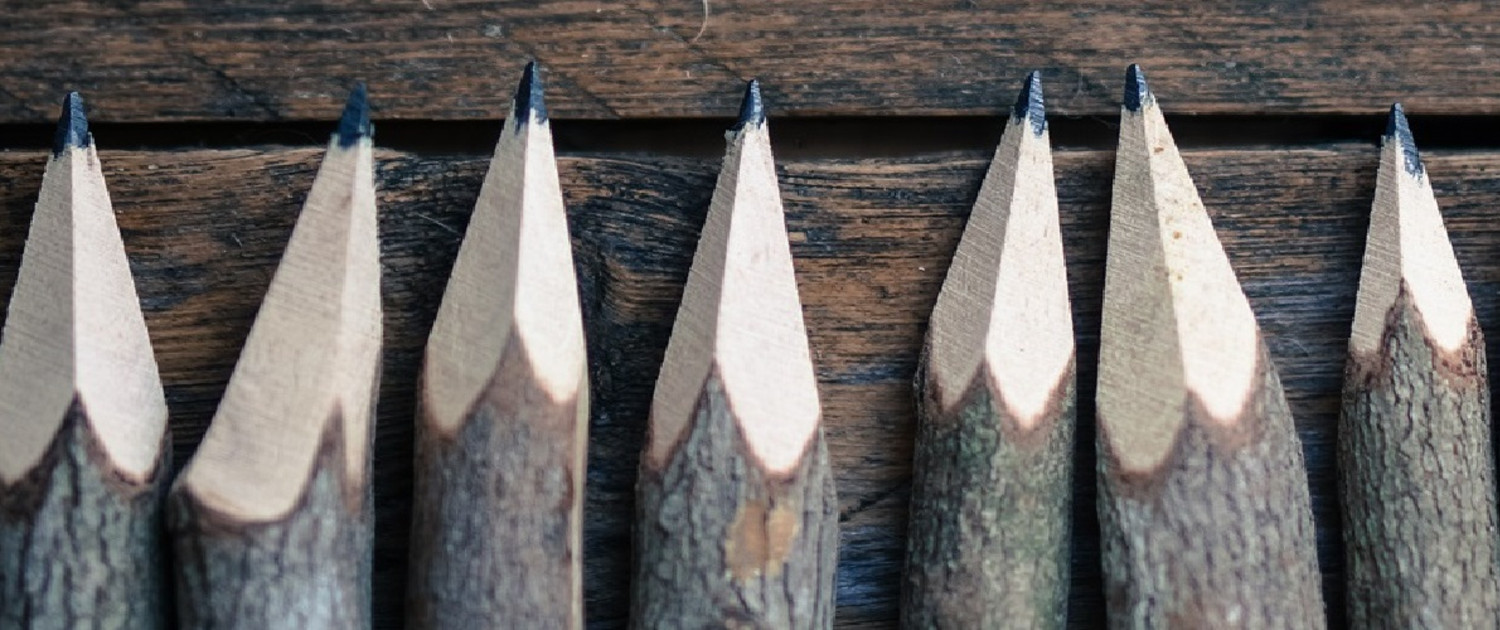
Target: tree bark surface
x,y
720,543
1417,482
496,533
1220,535
991,513
309,570
80,547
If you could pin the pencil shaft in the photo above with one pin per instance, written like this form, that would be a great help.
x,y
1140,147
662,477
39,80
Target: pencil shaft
x,y
1417,482
991,505
309,569
720,543
78,548
496,533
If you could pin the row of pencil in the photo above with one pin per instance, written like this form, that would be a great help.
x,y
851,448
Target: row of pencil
x,y
1203,503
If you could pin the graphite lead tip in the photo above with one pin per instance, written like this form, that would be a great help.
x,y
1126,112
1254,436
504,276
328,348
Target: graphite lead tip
x,y
1398,130
1136,92
752,110
529,102
1029,104
72,125
355,123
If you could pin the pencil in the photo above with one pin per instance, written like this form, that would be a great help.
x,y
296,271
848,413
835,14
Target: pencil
x,y
83,457
736,515
1203,502
992,478
1417,473
271,518
502,430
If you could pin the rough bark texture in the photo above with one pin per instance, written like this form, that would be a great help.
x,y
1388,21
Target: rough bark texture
x,y
309,570
1219,536
719,543
79,546
991,513
495,536
270,60
1417,482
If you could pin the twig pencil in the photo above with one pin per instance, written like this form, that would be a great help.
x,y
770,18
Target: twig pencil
x,y
1417,473
271,518
83,457
502,431
1203,502
992,487
736,516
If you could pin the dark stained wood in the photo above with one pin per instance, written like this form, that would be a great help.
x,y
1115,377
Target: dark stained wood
x,y
872,240
439,59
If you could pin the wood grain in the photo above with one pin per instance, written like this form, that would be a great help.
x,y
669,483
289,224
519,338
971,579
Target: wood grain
x,y
872,240
437,59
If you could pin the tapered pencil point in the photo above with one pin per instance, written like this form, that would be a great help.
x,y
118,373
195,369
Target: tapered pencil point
x,y
1397,129
355,123
1029,105
752,110
530,103
1408,251
72,126
1137,94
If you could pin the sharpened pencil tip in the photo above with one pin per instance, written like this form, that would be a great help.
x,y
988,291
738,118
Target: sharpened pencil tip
x,y
1397,129
1029,104
1137,94
72,125
752,110
530,104
355,124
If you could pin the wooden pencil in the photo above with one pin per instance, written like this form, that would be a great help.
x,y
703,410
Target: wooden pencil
x,y
271,517
736,515
1203,502
502,428
1417,473
83,457
992,479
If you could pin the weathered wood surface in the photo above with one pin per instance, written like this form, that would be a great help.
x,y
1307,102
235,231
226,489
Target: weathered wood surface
x,y
872,239
437,59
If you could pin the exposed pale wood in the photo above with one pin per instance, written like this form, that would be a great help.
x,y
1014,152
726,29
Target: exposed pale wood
x,y
503,425
1417,470
737,522
436,59
871,241
992,479
1204,511
272,516
83,459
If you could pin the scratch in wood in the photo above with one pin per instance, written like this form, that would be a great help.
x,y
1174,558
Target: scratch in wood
x,y
436,222
702,28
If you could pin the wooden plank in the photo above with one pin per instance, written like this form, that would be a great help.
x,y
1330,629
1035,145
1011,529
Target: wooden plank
x,y
165,60
872,239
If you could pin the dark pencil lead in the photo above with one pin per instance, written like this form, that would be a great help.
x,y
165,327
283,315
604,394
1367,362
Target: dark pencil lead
x,y
1398,130
1136,92
529,102
752,111
72,125
355,123
1030,105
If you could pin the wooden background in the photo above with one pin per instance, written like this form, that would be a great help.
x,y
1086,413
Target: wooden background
x,y
211,117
